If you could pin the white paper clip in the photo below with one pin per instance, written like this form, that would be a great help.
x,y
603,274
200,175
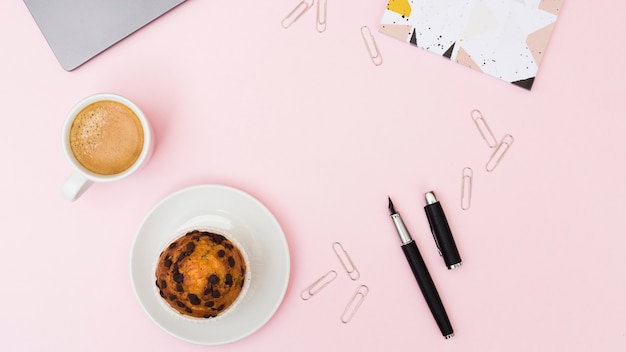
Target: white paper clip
x,y
318,285
370,44
354,304
466,188
297,12
320,24
483,128
346,262
497,155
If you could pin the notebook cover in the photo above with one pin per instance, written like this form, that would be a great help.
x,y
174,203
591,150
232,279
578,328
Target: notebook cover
x,y
78,30
502,38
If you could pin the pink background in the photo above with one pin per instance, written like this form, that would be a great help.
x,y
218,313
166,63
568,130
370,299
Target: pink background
x,y
307,124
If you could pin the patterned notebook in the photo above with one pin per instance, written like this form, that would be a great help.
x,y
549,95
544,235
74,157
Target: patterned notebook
x,y
503,38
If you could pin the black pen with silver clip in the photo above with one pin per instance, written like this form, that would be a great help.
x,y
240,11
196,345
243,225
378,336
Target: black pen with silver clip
x,y
424,280
441,231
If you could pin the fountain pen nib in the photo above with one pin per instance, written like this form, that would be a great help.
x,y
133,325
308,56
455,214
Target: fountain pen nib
x,y
391,209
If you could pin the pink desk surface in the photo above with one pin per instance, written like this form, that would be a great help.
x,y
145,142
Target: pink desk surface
x,y
307,124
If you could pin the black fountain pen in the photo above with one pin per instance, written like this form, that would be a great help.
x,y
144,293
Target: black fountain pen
x,y
422,275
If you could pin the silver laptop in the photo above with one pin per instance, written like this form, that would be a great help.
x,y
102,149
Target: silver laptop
x,y
78,30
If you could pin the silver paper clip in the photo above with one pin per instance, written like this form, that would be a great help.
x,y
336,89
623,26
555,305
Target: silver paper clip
x,y
354,304
298,11
497,155
318,285
466,188
320,24
483,128
371,46
346,262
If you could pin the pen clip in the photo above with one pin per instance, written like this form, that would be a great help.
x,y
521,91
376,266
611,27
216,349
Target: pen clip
x,y
432,231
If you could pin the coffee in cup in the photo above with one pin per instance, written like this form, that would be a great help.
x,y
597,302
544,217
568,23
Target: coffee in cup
x,y
106,138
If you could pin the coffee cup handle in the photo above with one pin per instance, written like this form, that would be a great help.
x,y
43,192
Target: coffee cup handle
x,y
75,186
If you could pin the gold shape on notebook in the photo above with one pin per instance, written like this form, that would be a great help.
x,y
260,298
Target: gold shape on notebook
x,y
318,285
370,44
497,155
401,7
297,12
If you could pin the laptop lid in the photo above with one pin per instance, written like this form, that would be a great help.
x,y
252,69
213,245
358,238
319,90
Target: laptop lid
x,y
78,30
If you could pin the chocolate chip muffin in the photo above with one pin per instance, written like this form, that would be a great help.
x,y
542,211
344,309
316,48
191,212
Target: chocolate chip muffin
x,y
201,274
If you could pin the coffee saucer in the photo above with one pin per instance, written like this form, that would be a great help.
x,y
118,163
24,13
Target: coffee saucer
x,y
247,220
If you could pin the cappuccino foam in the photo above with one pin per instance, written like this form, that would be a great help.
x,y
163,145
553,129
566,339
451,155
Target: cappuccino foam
x,y
106,137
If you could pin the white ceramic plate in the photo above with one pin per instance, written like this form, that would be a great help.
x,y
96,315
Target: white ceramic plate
x,y
250,223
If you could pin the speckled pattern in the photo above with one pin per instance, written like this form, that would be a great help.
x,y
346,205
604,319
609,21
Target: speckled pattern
x,y
201,274
503,38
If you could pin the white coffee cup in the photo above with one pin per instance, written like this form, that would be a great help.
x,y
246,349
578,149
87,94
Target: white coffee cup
x,y
104,123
